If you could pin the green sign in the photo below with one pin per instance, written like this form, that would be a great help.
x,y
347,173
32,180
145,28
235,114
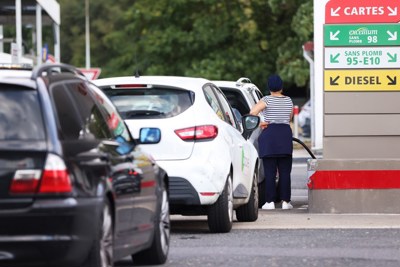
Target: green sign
x,y
382,57
361,35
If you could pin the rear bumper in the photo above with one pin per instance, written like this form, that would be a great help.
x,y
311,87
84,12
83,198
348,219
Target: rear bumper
x,y
53,232
192,177
181,192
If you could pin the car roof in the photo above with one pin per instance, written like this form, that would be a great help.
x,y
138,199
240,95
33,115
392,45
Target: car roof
x,y
174,81
232,84
17,77
15,73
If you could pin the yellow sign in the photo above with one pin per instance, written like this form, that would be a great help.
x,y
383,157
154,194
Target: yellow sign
x,y
362,80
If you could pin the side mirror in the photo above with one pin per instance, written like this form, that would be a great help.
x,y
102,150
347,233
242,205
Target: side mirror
x,y
249,123
149,135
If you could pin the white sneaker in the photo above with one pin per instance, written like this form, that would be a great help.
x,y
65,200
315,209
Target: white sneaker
x,y
268,206
286,205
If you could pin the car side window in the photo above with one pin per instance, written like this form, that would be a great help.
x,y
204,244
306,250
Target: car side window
x,y
114,121
229,116
237,100
78,115
212,100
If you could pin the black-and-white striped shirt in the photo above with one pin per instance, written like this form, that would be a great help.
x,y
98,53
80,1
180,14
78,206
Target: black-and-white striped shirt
x,y
278,110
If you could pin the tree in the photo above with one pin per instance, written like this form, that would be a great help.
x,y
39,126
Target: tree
x,y
205,38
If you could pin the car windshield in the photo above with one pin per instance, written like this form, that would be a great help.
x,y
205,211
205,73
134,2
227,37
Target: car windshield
x,y
20,115
149,103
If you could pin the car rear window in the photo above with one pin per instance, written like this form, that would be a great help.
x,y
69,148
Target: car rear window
x,y
20,114
147,103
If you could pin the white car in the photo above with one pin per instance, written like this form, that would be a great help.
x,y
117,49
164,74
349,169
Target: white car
x,y
212,168
305,119
242,96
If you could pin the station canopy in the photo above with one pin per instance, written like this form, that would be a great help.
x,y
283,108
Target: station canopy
x,y
28,9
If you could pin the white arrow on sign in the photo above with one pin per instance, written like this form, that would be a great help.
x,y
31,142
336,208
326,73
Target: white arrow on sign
x,y
393,11
333,36
393,36
334,13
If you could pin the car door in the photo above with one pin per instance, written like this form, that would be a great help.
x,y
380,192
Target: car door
x,y
255,94
80,119
134,178
240,148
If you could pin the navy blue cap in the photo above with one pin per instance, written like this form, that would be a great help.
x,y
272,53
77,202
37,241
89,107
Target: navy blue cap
x,y
275,83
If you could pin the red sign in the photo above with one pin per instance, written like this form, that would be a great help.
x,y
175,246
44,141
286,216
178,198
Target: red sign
x,y
365,11
91,74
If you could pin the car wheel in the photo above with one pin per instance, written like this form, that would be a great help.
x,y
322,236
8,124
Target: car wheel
x,y
158,252
220,214
249,211
101,253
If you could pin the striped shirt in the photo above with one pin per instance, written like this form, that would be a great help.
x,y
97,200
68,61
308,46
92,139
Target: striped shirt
x,y
278,110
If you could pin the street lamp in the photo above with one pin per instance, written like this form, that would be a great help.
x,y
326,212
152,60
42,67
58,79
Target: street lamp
x,y
87,34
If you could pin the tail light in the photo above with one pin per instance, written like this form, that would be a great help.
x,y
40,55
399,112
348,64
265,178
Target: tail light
x,y
53,179
130,86
204,132
25,181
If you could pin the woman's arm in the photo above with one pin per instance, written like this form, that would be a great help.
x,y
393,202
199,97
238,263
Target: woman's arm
x,y
257,108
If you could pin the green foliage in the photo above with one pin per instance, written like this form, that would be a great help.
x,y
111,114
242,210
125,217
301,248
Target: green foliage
x,y
214,39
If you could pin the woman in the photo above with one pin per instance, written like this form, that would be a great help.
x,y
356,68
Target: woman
x,y
275,142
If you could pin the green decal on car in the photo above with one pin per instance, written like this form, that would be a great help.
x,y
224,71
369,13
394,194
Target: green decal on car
x,y
242,159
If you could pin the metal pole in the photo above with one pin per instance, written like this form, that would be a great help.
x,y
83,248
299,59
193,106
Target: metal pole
x,y
57,52
39,43
87,34
18,23
312,96
1,39
296,121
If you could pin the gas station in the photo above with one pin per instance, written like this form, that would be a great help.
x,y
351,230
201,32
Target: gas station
x,y
36,13
355,81
357,92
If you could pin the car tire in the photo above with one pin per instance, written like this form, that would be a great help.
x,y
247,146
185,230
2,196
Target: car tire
x,y
157,253
220,214
249,211
101,253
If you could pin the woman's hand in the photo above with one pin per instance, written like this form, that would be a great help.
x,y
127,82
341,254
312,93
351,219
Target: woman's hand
x,y
263,125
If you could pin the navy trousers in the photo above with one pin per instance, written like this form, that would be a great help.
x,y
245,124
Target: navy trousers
x,y
282,191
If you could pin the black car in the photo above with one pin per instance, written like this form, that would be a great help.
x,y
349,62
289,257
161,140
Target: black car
x,y
75,188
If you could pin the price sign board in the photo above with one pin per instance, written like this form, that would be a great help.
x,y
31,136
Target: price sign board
x,y
365,11
362,80
362,57
362,35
